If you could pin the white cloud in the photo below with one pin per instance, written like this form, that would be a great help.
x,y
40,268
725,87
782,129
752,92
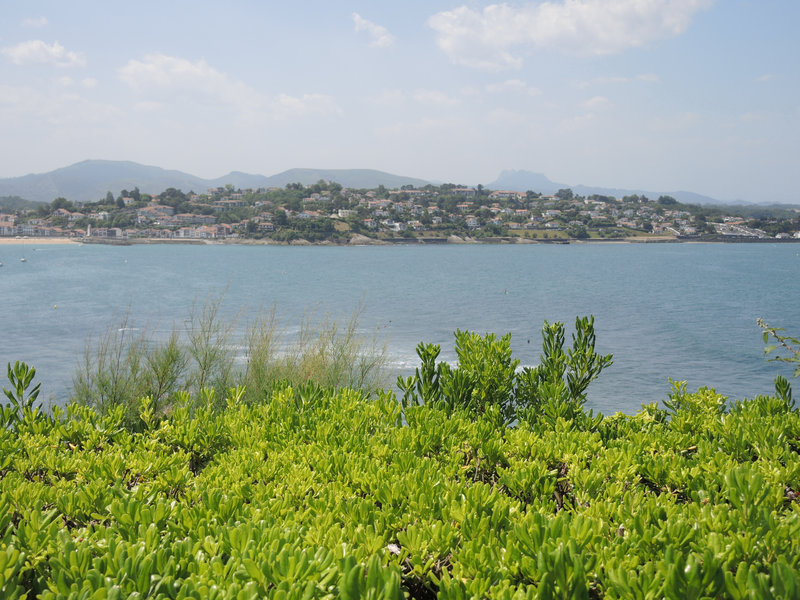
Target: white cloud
x,y
764,78
682,121
16,99
162,80
158,71
35,22
38,52
379,35
53,108
286,106
577,123
393,98
602,81
752,116
147,106
433,97
396,98
479,40
649,78
86,82
502,116
167,79
422,127
469,91
645,77
490,39
514,86
597,103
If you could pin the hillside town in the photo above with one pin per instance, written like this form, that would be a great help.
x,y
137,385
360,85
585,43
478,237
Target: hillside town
x,y
325,212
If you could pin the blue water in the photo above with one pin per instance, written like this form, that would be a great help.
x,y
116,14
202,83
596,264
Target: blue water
x,y
681,311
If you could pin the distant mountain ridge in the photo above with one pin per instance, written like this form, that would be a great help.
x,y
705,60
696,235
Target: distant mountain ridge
x,y
90,180
522,181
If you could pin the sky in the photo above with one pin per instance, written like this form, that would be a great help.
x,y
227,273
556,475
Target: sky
x,y
662,95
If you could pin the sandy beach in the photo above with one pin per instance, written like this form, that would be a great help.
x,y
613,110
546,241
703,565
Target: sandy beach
x,y
37,241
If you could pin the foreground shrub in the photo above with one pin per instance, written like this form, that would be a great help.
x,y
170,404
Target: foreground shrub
x,y
325,352
127,363
487,379
322,493
786,343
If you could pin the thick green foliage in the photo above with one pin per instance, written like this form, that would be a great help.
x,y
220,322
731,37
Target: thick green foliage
x,y
20,406
325,493
322,493
483,380
788,344
487,378
125,365
557,387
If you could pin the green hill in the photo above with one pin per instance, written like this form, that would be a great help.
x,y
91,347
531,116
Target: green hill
x,y
90,180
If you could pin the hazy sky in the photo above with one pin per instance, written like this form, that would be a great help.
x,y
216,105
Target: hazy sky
x,y
700,95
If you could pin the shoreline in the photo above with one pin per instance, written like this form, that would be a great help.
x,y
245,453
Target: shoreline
x,y
39,241
365,241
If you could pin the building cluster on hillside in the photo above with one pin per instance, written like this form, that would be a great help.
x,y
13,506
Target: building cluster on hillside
x,y
324,209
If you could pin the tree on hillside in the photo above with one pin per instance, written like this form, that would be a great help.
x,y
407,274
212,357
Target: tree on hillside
x,y
14,203
61,203
319,187
279,219
175,198
636,198
577,231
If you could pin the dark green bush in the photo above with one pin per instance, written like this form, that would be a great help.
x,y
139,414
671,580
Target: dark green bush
x,y
319,492
488,377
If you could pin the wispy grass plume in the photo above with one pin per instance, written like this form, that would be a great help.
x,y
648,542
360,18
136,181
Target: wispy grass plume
x,y
127,364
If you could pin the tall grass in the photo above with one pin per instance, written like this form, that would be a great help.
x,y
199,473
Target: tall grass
x,y
324,352
209,346
126,364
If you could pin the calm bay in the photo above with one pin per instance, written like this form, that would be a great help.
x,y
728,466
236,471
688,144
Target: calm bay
x,y
681,311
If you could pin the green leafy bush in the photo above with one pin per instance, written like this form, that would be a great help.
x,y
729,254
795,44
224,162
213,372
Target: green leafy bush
x,y
125,365
487,378
21,408
556,388
790,345
318,492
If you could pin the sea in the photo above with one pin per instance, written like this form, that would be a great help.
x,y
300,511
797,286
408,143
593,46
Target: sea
x,y
679,311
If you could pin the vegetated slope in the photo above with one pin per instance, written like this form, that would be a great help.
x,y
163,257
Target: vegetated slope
x,y
352,178
522,181
90,180
15,203
321,494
